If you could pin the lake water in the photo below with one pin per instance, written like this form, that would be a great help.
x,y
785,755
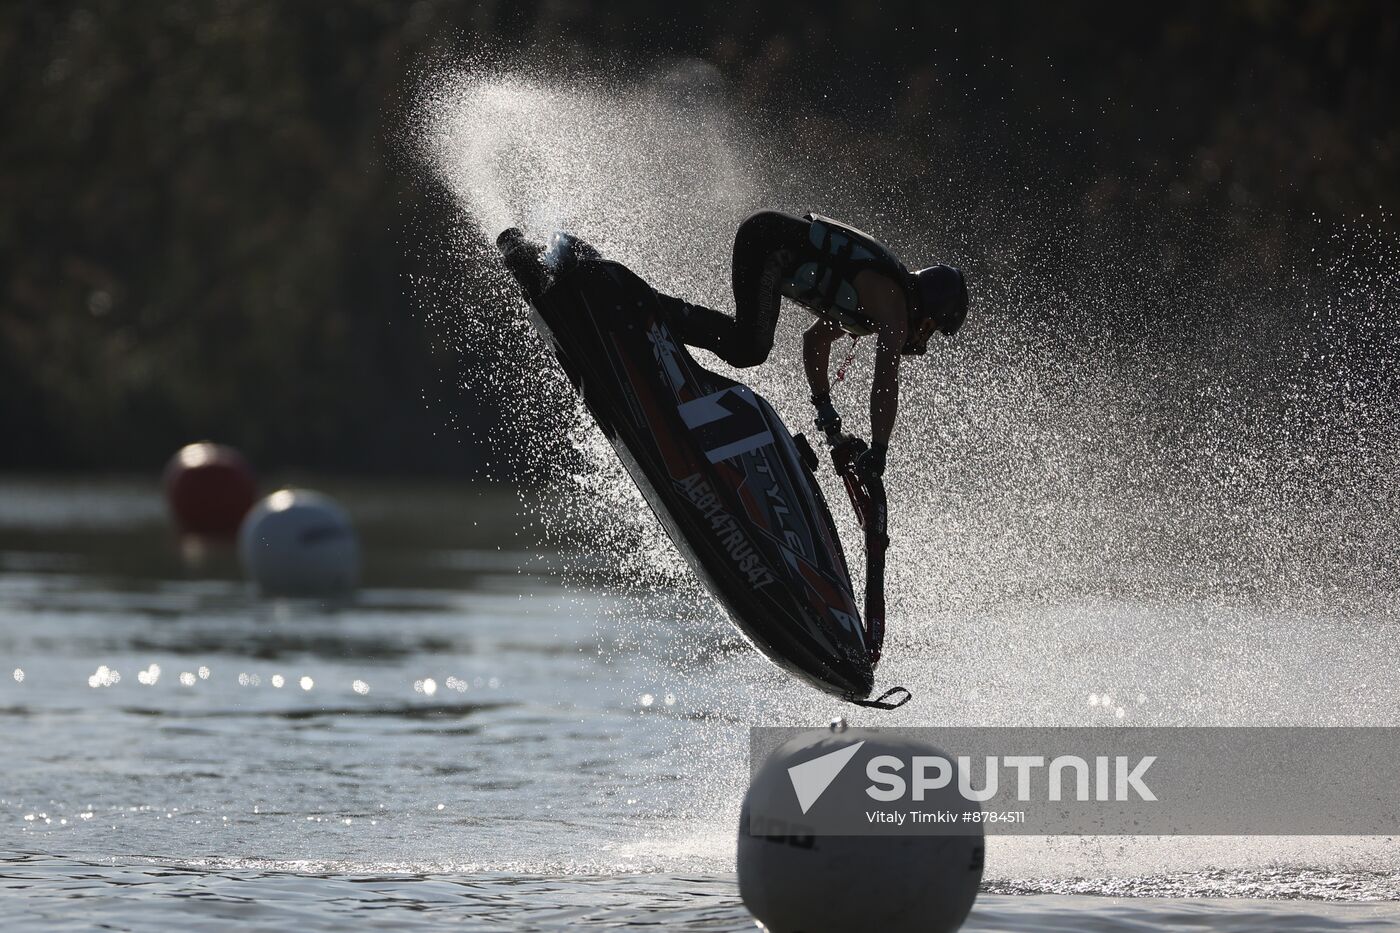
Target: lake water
x,y
481,740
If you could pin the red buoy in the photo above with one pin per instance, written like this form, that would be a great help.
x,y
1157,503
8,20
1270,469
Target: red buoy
x,y
209,488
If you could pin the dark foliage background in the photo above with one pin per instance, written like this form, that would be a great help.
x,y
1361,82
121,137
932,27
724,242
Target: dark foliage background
x,y
207,212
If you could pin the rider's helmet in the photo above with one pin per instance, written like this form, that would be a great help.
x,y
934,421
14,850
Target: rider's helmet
x,y
940,303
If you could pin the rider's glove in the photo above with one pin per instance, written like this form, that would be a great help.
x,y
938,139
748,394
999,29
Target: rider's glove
x,y
827,418
872,462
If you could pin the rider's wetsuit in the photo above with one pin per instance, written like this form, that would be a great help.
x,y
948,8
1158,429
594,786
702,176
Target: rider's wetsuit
x,y
813,260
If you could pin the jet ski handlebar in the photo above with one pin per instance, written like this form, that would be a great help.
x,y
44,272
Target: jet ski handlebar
x,y
867,495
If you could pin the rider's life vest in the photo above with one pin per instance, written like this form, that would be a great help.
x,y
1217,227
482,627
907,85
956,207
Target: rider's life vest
x,y
824,281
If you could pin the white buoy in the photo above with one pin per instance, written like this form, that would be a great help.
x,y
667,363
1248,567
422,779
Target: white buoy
x,y
299,543
807,883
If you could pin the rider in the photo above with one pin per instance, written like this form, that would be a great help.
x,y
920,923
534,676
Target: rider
x,y
852,283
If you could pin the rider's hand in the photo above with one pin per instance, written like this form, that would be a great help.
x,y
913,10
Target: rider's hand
x,y
872,462
827,418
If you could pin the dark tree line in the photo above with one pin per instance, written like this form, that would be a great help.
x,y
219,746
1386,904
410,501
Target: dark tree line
x,y
207,214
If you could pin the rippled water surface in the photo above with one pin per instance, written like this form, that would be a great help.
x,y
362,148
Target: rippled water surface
x,y
481,741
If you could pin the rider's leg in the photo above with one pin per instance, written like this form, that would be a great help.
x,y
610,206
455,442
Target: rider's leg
x,y
766,247
698,326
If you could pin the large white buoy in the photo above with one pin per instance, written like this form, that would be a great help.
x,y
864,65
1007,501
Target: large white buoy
x,y
299,543
797,882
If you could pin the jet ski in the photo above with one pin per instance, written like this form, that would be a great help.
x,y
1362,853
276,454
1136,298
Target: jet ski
x,y
734,489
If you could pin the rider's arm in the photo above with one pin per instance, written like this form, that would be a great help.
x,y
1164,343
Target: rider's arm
x,y
884,387
883,300
816,355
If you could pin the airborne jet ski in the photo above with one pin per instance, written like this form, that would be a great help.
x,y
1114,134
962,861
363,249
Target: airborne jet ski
x,y
733,488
